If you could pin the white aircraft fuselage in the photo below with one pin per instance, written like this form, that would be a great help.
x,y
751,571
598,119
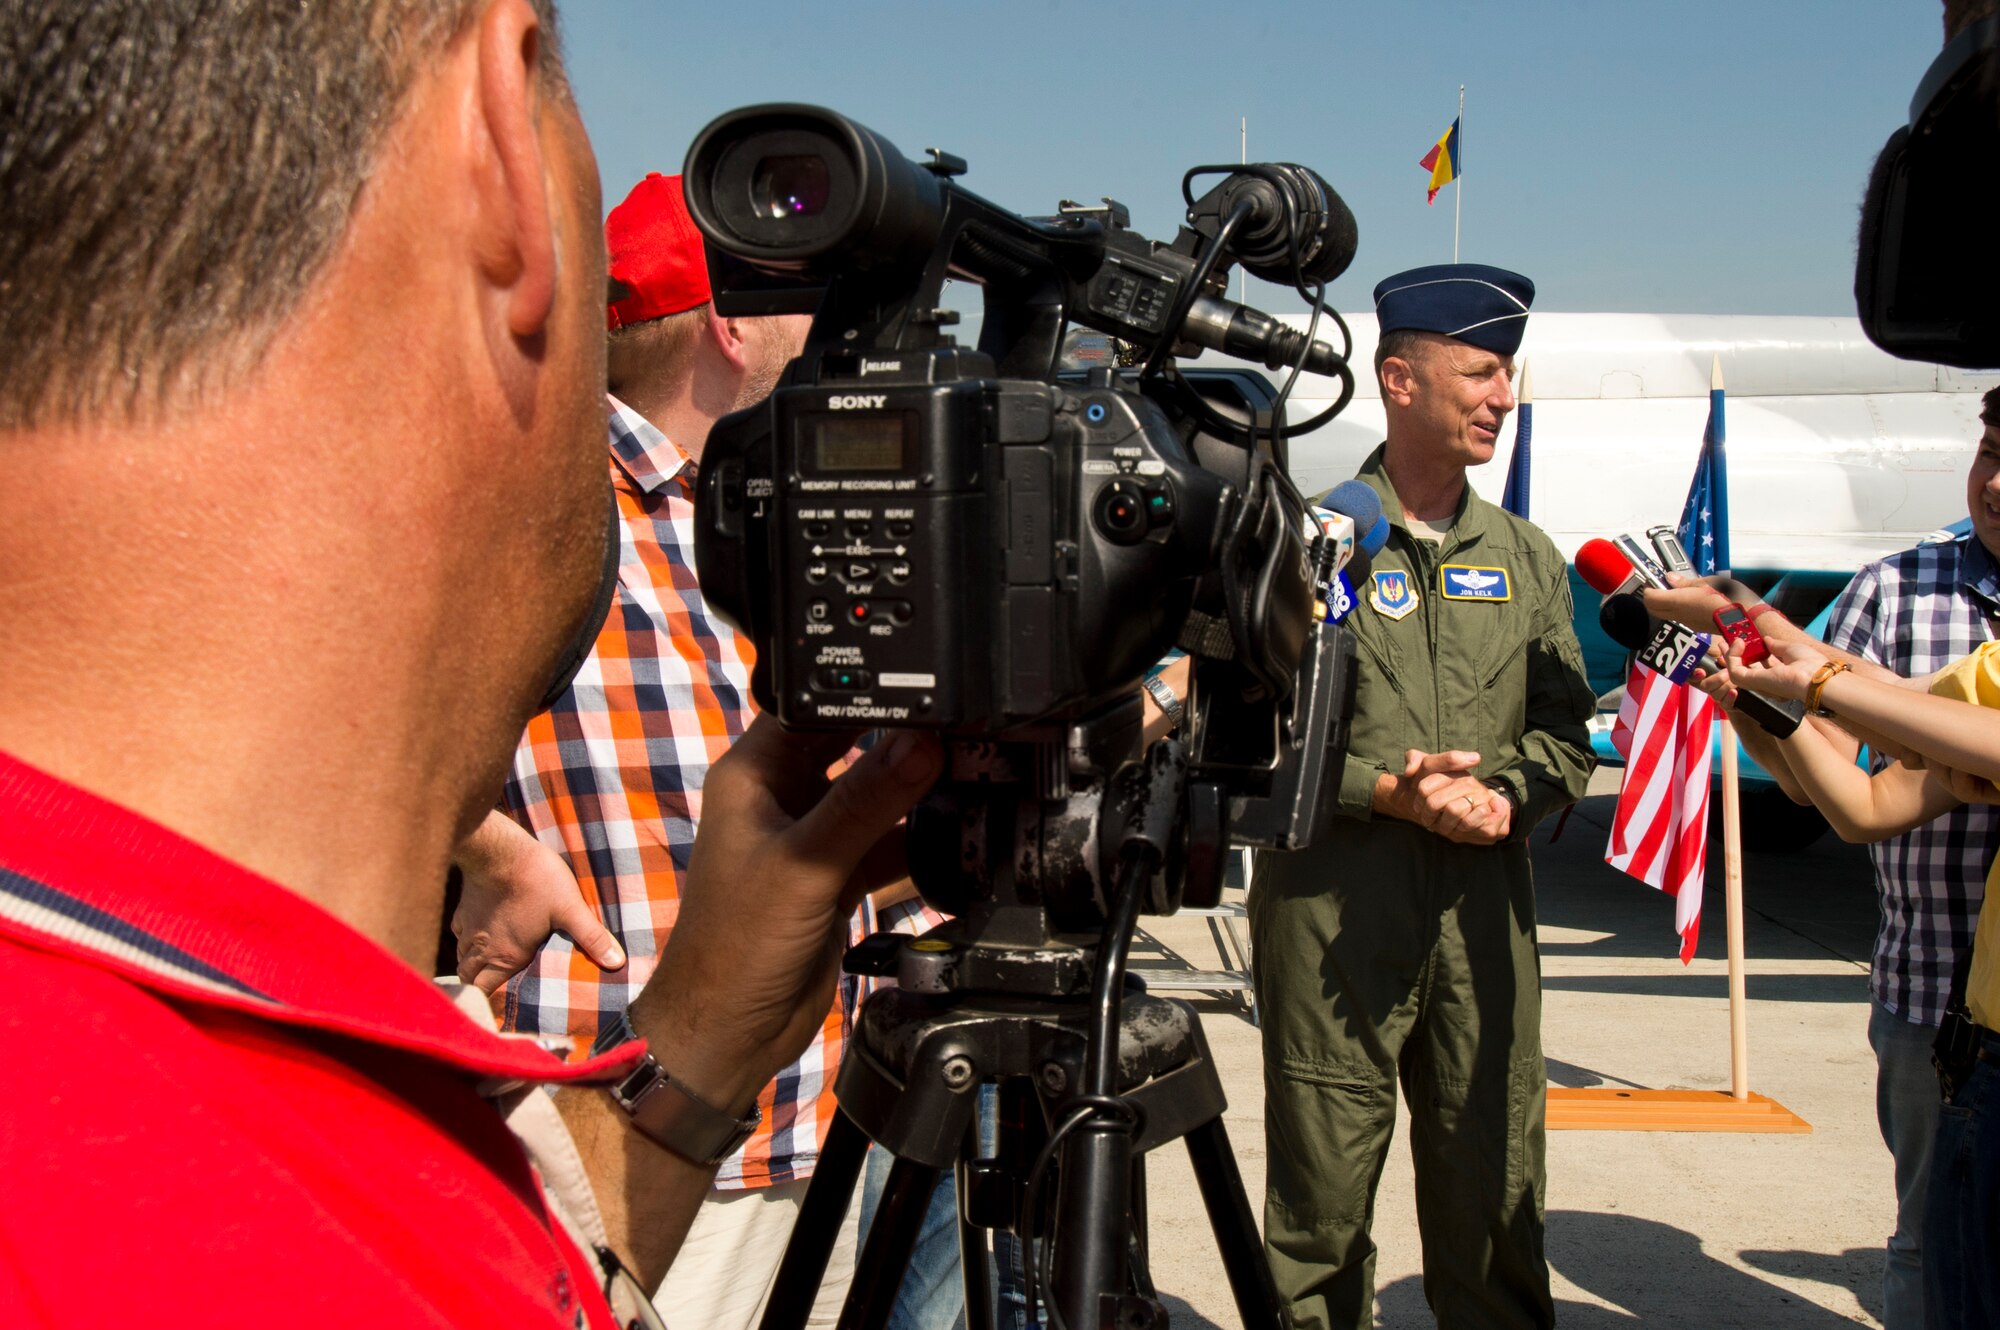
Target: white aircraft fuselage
x,y
1838,453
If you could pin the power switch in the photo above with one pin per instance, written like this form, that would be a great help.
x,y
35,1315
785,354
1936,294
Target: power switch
x,y
842,679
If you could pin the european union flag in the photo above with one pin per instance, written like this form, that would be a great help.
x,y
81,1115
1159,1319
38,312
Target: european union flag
x,y
1514,498
1704,527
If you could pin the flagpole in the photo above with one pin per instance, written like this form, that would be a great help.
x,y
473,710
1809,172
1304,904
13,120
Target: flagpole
x,y
1458,199
1732,867
1732,889
1243,158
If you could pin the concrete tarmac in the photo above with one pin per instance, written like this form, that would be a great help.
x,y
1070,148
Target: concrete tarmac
x,y
1661,1229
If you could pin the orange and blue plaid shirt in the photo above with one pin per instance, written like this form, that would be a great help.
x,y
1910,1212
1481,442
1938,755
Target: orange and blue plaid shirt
x,y
611,778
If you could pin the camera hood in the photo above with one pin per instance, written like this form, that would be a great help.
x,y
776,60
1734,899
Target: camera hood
x,y
1924,285
802,191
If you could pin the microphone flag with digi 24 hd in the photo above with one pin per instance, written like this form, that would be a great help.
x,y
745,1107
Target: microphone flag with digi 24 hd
x,y
1659,647
1670,650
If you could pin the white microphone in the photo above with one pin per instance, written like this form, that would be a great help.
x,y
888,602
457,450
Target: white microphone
x,y
1344,548
1334,537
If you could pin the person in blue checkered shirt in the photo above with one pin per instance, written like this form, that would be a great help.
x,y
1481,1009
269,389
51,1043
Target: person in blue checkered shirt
x,y
1914,613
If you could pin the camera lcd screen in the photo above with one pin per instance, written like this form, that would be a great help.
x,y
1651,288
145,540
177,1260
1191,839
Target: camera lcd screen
x,y
860,443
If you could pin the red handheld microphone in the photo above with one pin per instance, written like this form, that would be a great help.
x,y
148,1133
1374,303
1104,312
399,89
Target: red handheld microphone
x,y
1606,568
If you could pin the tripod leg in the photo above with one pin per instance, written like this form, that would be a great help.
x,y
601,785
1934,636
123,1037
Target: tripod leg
x,y
885,1255
827,1199
1019,1133
974,1268
1142,1261
1234,1226
1091,1257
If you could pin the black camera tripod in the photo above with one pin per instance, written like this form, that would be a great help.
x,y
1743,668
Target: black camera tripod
x,y
1093,1073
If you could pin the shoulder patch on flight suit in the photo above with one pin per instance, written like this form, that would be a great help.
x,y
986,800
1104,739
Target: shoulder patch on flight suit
x,y
1465,581
1393,595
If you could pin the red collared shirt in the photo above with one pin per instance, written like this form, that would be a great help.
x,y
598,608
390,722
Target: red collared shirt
x,y
224,1107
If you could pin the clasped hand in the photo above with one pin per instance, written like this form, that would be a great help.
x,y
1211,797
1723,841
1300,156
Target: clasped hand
x,y
1438,792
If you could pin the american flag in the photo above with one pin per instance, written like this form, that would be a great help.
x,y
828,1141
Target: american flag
x,y
1664,731
1704,525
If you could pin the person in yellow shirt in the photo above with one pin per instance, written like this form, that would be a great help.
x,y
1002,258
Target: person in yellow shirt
x,y
1948,752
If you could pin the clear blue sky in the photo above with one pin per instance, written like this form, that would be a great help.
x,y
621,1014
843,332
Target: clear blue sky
x,y
1671,155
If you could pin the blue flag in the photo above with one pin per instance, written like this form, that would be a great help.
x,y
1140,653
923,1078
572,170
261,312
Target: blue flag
x,y
1704,527
1515,497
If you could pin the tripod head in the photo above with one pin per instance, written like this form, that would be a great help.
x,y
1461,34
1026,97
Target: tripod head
x,y
1003,996
1021,842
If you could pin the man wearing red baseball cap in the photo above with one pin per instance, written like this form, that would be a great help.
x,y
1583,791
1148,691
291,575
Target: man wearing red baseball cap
x,y
672,359
657,260
610,778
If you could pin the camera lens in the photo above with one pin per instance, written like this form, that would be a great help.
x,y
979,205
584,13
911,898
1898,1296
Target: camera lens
x,y
796,190
794,185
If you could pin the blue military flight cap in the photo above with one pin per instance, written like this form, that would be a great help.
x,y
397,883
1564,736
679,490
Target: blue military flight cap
x,y
1487,307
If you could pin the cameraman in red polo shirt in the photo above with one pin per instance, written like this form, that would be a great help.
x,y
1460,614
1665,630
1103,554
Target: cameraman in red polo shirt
x,y
302,502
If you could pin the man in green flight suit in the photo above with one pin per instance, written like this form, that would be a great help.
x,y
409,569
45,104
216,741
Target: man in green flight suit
x,y
1402,945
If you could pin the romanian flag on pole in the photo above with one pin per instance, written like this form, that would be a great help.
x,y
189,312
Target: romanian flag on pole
x,y
1442,161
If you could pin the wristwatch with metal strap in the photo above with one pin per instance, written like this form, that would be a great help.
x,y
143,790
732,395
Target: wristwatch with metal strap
x,y
1172,706
667,1112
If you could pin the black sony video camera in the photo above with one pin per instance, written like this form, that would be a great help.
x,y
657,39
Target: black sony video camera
x,y
919,534
916,534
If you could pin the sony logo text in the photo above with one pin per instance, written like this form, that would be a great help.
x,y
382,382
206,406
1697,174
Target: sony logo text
x,y
857,401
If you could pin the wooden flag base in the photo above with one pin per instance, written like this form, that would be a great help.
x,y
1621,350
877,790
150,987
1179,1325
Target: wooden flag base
x,y
1608,1108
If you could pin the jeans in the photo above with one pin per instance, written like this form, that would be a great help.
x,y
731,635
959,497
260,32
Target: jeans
x,y
1906,1109
932,1296
933,1293
1962,1218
